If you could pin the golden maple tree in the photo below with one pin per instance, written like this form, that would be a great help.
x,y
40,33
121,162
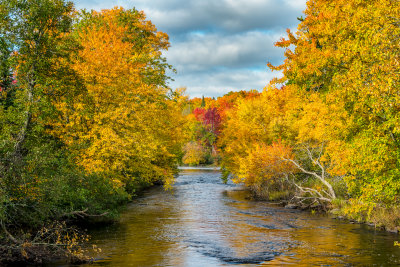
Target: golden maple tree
x,y
126,123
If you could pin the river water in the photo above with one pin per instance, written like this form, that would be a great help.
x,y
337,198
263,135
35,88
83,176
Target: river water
x,y
203,222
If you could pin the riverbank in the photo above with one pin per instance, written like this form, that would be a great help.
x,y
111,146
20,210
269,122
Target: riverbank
x,y
64,239
387,219
379,217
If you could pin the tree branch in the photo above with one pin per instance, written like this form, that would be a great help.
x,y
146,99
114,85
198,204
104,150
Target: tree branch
x,y
321,177
10,236
82,214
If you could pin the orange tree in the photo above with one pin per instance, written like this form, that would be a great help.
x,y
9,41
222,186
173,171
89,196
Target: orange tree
x,y
126,124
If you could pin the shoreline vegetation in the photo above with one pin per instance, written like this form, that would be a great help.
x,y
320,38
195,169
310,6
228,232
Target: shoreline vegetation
x,y
88,121
383,220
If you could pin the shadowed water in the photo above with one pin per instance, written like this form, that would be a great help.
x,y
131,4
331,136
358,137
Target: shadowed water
x,y
204,222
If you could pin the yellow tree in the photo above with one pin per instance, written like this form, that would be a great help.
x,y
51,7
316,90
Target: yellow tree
x,y
126,124
195,154
282,139
251,139
266,168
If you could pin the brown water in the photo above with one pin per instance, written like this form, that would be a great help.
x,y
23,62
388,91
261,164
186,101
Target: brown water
x,y
204,222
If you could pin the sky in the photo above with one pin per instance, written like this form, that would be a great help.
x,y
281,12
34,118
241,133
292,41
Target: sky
x,y
217,46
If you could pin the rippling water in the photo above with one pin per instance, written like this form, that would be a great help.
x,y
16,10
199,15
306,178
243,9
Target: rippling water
x,y
204,222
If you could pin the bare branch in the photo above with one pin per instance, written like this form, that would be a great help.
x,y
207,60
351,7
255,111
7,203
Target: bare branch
x,y
321,177
82,214
10,236
312,191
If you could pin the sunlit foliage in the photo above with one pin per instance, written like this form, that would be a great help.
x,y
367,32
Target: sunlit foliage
x,y
124,124
341,118
348,53
206,117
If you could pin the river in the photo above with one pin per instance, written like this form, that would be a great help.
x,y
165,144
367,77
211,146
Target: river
x,y
204,222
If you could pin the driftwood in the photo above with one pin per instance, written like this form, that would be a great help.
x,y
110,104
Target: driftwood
x,y
82,214
310,194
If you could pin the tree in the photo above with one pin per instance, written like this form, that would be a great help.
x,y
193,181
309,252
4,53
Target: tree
x,y
199,114
85,116
266,168
281,141
250,132
203,102
126,125
212,120
195,154
38,31
36,178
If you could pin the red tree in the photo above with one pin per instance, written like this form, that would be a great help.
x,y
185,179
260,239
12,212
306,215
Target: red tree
x,y
199,114
212,120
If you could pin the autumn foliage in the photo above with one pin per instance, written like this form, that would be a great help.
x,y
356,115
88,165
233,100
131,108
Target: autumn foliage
x,y
205,120
87,118
336,109
123,125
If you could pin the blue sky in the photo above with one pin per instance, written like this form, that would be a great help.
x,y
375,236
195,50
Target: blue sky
x,y
217,46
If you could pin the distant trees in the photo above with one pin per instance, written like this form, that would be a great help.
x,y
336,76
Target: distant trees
x,y
204,125
194,154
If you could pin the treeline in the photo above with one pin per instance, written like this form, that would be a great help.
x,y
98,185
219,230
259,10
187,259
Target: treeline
x,y
86,119
205,118
327,134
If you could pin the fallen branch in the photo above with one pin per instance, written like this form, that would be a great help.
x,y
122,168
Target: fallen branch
x,y
82,214
321,177
312,191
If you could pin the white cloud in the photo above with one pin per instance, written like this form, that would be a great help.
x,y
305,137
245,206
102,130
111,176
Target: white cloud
x,y
99,4
180,16
201,52
223,15
298,4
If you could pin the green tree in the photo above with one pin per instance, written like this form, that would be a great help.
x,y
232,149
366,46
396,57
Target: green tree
x,y
38,181
37,32
203,102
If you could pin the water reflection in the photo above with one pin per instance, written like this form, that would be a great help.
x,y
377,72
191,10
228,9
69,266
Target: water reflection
x,y
204,222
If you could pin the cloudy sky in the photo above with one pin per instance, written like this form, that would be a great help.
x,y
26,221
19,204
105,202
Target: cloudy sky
x,y
217,46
